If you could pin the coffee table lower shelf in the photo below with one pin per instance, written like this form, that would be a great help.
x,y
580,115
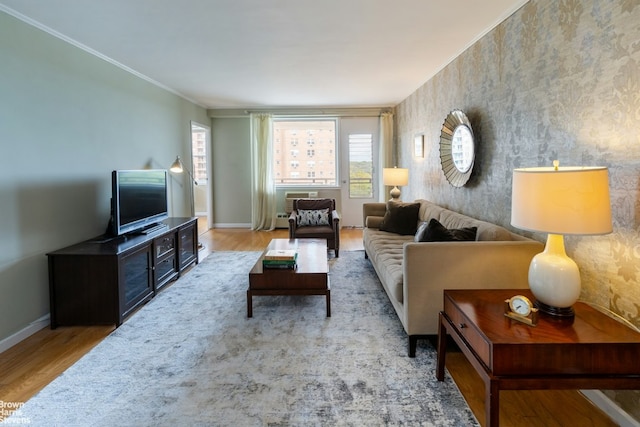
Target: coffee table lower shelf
x,y
286,292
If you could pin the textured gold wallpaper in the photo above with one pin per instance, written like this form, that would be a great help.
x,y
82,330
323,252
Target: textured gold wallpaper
x,y
559,79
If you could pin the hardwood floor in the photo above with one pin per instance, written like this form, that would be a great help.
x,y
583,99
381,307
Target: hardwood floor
x,y
29,366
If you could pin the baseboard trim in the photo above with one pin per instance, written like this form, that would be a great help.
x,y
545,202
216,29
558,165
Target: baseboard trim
x,y
609,407
231,225
25,333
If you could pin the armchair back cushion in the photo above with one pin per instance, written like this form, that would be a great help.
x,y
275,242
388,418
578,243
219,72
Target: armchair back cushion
x,y
314,204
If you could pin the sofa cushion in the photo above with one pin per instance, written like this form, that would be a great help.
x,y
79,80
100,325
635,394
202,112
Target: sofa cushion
x,y
436,232
307,217
386,253
422,226
373,221
450,219
401,218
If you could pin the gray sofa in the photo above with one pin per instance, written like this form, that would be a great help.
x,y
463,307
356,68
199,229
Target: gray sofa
x,y
414,274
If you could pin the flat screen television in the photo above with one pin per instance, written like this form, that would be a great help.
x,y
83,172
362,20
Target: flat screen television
x,y
139,200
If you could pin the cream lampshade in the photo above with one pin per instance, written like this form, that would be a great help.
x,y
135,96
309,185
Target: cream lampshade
x,y
395,177
558,201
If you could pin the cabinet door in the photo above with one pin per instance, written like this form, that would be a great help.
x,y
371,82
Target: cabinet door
x,y
136,281
165,262
187,247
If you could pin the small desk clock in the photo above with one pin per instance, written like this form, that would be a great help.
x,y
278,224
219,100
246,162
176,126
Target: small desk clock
x,y
520,308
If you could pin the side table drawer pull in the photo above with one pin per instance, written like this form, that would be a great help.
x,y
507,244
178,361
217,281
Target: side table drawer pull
x,y
462,325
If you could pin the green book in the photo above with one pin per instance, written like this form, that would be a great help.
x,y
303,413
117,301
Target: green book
x,y
286,266
278,262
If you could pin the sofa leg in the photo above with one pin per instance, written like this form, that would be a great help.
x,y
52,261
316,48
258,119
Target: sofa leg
x,y
366,255
413,343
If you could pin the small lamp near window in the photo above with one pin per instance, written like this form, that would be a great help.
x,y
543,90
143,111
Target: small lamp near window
x,y
395,177
558,201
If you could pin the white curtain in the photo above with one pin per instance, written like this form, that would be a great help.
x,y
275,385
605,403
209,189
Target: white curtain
x,y
385,158
263,214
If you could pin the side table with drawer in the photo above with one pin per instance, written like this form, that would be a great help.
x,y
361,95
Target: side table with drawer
x,y
590,351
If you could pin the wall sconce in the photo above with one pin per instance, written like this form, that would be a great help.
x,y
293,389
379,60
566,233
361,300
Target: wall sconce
x,y
395,177
559,201
418,146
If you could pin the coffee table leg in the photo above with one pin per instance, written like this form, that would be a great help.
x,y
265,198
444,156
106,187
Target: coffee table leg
x,y
249,304
328,303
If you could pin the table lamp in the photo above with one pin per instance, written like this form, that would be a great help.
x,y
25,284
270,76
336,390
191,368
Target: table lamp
x,y
395,177
558,201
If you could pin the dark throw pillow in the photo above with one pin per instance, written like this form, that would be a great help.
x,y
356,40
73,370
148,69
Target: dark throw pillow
x,y
400,218
436,232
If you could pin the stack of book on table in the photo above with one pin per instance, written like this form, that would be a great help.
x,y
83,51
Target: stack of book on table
x,y
280,258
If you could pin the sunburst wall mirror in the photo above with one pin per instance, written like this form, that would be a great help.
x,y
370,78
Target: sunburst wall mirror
x,y
457,148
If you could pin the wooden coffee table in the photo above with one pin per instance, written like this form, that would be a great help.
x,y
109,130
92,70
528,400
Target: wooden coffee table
x,y
309,278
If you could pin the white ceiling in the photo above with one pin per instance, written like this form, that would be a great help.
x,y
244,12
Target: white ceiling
x,y
274,53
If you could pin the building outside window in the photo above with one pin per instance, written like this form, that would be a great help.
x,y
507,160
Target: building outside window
x,y
310,167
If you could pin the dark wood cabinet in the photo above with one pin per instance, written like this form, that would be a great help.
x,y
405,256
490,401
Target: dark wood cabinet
x,y
103,280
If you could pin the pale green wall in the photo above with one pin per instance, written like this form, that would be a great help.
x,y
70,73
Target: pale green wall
x,y
231,171
67,119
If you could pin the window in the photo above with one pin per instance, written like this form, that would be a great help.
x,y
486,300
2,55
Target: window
x,y
360,165
199,154
307,167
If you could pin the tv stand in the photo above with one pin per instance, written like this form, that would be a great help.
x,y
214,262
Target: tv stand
x,y
103,280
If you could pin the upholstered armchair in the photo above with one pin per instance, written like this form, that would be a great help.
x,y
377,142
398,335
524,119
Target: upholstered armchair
x,y
315,219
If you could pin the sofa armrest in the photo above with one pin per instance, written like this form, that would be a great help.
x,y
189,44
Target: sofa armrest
x,y
373,210
431,267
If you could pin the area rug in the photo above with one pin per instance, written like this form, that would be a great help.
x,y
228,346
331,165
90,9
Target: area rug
x,y
191,357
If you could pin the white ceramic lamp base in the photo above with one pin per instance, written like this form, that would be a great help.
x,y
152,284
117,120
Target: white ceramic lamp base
x,y
395,194
554,278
